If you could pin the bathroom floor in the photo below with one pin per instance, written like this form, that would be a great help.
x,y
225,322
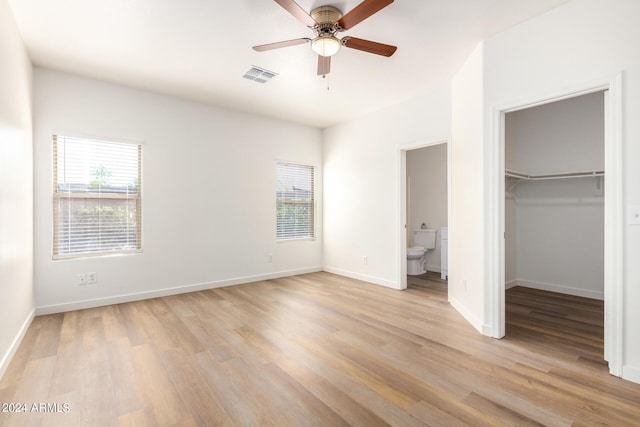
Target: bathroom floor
x,y
430,279
430,275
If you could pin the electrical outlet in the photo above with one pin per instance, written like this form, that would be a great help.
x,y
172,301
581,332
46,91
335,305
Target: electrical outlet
x,y
269,258
365,259
92,277
465,285
634,215
81,279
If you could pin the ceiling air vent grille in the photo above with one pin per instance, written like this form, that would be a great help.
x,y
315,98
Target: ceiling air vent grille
x,y
259,75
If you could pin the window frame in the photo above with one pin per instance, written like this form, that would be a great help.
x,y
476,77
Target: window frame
x,y
311,203
59,197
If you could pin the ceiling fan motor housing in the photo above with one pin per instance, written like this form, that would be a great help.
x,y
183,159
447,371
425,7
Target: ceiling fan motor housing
x,y
327,18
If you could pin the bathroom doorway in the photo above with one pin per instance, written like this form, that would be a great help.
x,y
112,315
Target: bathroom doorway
x,y
425,187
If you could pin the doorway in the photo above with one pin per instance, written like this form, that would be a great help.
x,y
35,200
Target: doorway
x,y
554,216
424,177
554,198
613,214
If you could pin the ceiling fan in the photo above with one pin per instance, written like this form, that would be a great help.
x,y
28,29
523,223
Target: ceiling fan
x,y
326,22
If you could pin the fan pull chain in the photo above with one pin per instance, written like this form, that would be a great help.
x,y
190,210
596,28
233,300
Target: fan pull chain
x,y
324,76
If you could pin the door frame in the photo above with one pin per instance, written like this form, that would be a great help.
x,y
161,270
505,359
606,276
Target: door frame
x,y
402,201
613,207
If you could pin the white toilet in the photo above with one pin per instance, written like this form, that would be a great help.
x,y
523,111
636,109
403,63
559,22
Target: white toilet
x,y
423,241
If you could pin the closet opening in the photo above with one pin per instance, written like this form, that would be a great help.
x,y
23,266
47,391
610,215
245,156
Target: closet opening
x,y
554,224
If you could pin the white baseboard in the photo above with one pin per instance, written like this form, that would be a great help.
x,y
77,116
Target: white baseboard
x,y
560,289
363,277
475,322
631,373
11,351
511,284
434,268
118,299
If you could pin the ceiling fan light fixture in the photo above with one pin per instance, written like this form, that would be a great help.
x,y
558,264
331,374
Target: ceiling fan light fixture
x,y
325,45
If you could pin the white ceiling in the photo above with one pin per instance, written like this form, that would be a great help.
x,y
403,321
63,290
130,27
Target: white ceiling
x,y
199,49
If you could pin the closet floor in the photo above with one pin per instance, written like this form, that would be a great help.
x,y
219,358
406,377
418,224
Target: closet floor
x,y
549,321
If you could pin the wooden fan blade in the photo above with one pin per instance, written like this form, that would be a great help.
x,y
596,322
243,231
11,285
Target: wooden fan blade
x,y
324,65
278,45
369,46
293,8
362,12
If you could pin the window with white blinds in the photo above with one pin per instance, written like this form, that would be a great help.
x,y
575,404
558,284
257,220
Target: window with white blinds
x,y
295,203
96,197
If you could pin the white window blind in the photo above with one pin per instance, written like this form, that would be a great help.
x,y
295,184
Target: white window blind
x,y
97,197
295,201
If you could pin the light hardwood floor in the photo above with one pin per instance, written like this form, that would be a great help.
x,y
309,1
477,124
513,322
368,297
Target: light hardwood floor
x,y
318,349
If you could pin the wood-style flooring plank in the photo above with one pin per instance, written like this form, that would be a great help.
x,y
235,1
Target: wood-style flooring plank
x,y
319,350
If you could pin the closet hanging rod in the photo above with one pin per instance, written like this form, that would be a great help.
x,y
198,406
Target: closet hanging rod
x,y
523,176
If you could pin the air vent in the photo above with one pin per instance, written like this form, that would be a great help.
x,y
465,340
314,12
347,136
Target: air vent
x,y
259,75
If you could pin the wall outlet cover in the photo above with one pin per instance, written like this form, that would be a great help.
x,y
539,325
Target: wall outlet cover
x,y
634,215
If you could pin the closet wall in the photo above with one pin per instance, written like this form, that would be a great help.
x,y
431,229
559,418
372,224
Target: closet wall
x,y
555,228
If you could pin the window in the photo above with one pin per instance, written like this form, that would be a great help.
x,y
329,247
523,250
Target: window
x,y
294,201
96,197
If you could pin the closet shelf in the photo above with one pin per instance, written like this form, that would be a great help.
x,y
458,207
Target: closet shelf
x,y
517,177
526,177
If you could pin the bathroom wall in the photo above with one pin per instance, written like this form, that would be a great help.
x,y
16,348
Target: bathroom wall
x,y
559,231
208,193
427,171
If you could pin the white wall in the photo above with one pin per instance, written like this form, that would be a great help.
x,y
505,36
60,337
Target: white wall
x,y
208,193
16,189
467,243
581,42
563,136
427,170
560,243
560,223
362,185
